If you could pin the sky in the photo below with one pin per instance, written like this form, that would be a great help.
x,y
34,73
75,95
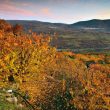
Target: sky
x,y
56,11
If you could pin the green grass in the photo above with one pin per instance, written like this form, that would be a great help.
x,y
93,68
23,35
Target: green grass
x,y
4,105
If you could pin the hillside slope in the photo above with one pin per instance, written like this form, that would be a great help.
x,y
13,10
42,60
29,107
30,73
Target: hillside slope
x,y
84,36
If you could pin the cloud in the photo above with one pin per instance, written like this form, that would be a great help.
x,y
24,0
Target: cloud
x,y
7,7
54,10
46,11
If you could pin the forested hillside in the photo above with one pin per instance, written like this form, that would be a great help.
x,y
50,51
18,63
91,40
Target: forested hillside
x,y
47,79
84,36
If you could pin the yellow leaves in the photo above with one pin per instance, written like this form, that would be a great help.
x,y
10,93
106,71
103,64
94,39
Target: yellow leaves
x,y
63,85
42,71
107,100
7,57
16,44
2,64
1,34
87,57
100,67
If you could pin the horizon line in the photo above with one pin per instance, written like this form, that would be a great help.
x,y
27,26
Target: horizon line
x,y
50,21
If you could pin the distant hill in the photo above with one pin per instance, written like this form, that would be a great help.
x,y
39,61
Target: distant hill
x,y
38,26
95,24
84,36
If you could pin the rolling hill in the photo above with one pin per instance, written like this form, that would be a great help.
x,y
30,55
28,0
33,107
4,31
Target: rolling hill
x,y
83,36
38,26
95,24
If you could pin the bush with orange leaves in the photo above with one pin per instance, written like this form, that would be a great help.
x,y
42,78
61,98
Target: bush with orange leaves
x,y
54,80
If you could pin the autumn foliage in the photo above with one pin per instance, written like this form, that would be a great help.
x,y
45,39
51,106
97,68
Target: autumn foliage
x,y
54,80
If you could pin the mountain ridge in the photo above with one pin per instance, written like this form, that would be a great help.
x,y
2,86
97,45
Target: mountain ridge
x,y
78,39
37,26
93,23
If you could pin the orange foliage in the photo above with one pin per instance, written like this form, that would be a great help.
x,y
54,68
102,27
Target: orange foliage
x,y
46,74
